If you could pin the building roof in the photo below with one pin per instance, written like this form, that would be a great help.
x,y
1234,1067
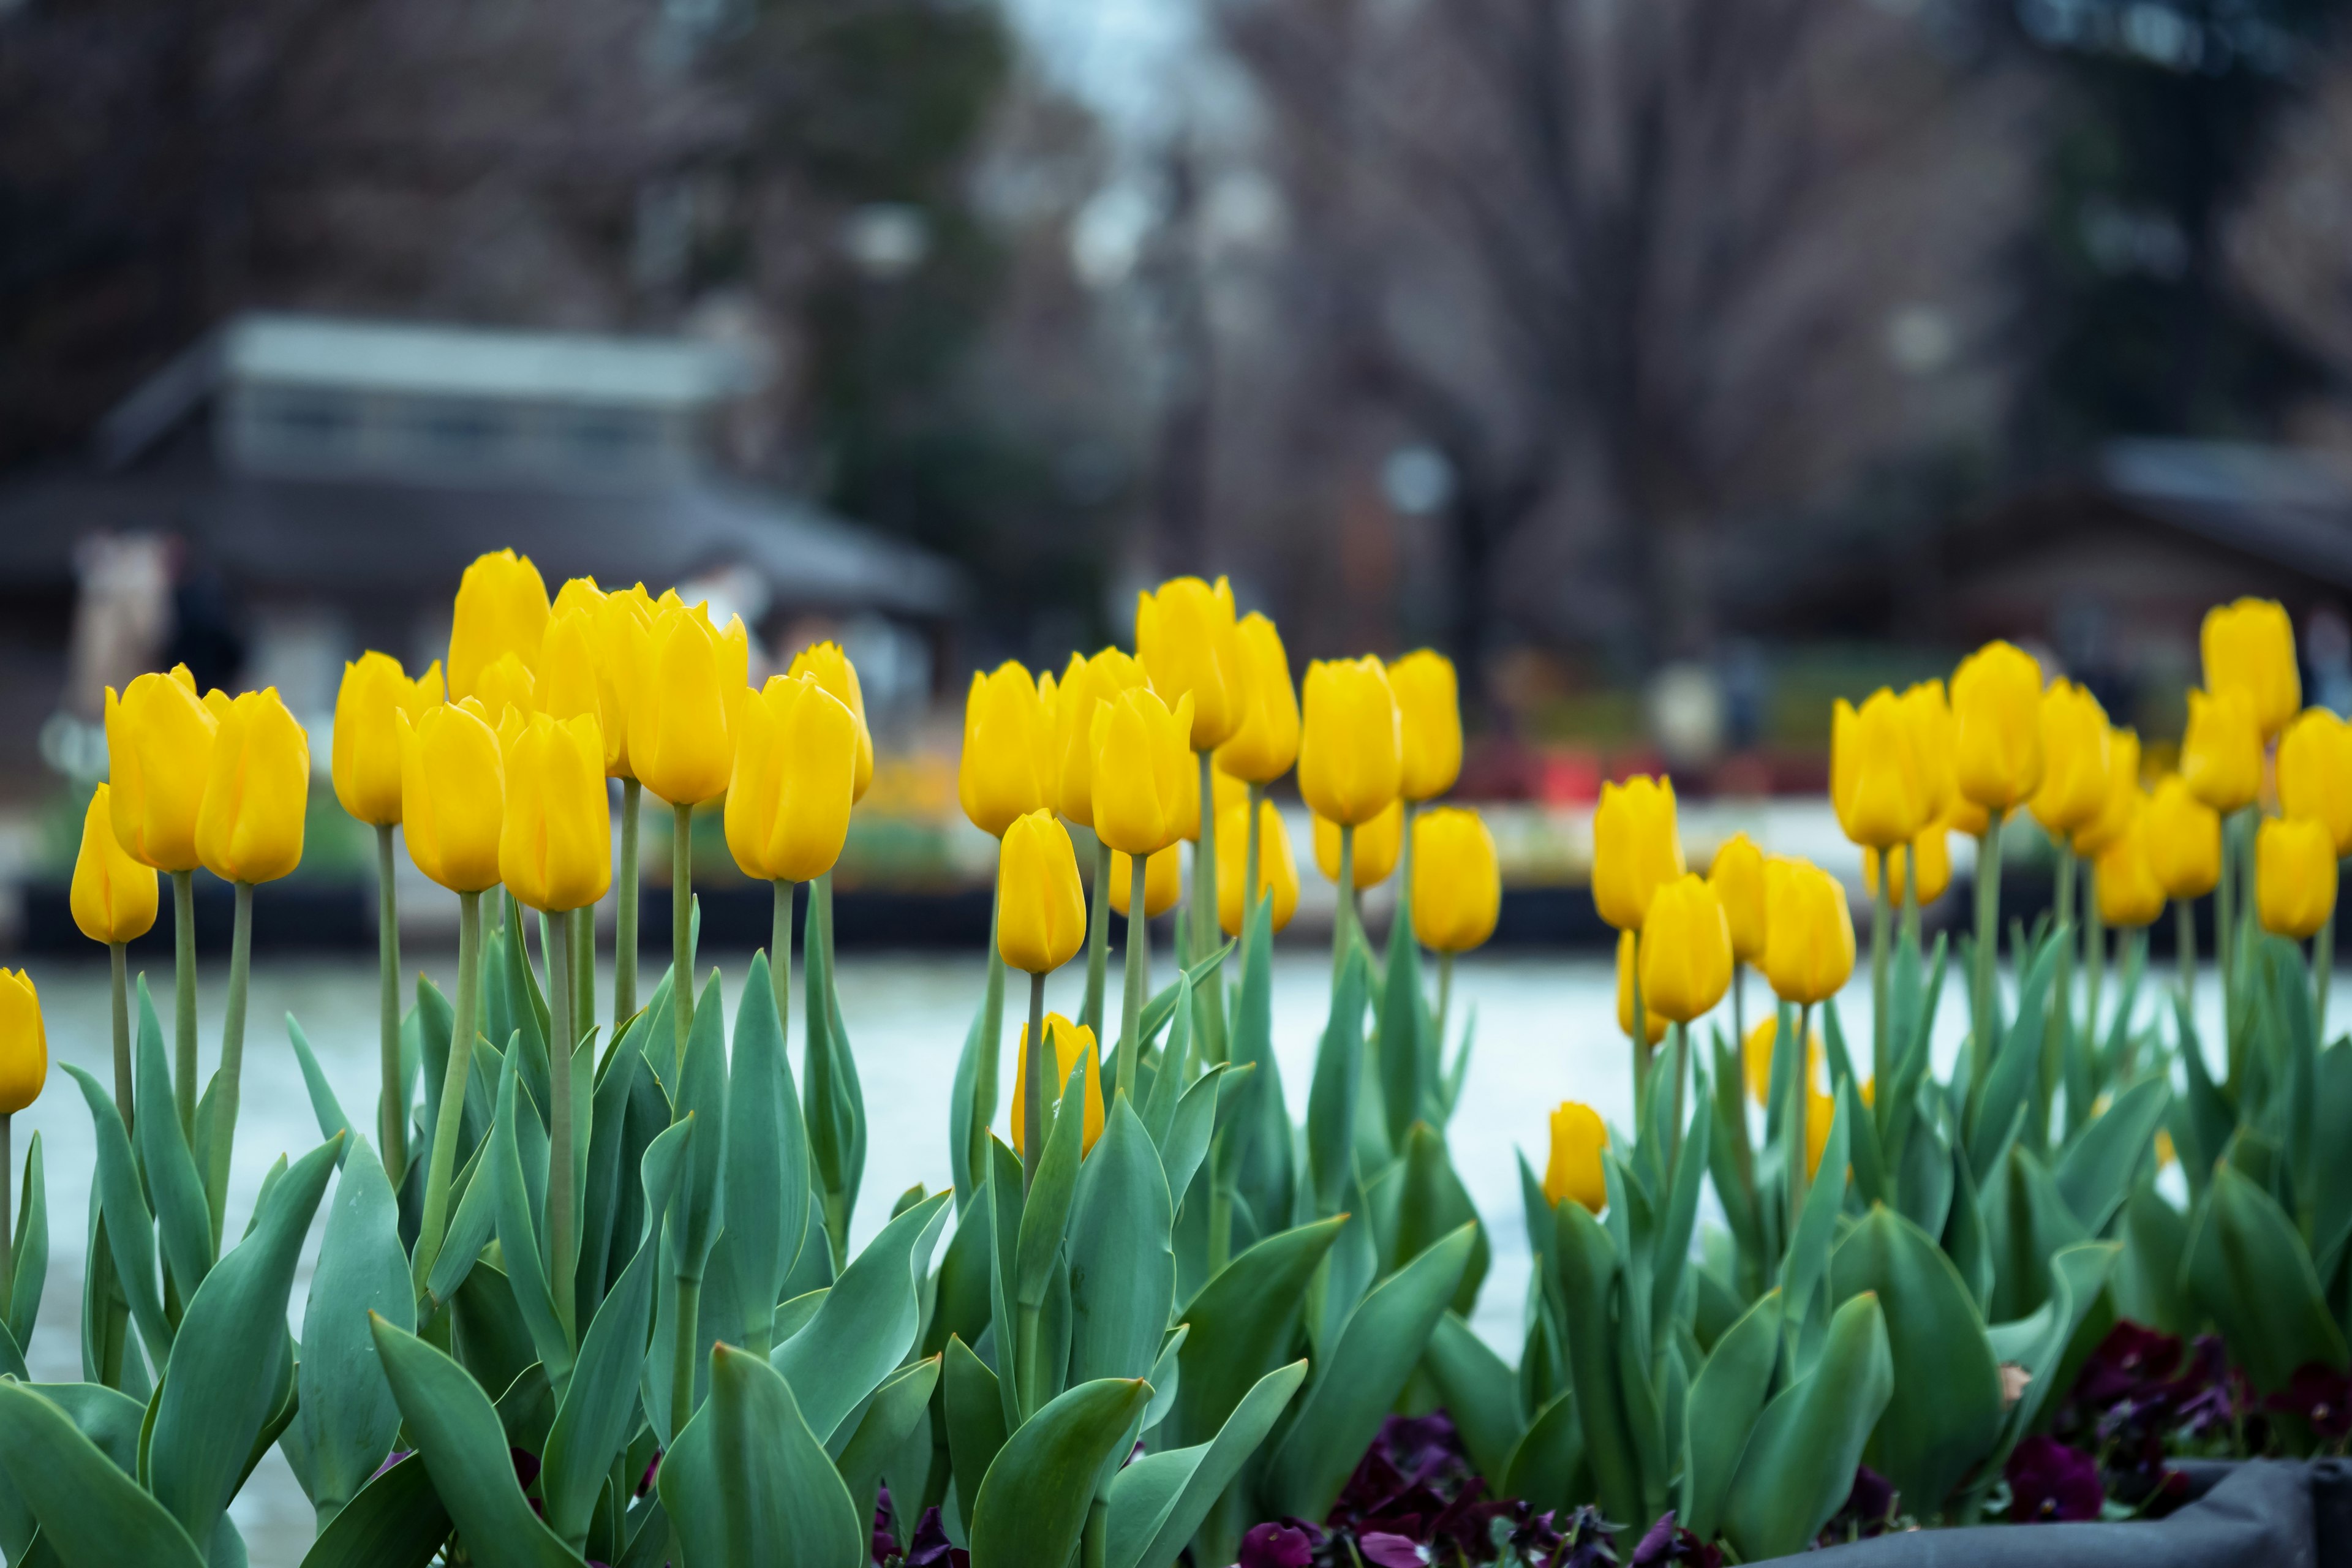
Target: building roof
x,y
2290,508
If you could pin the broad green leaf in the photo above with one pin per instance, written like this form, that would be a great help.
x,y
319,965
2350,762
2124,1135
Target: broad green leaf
x,y
347,1414
507,1169
1544,1467
2095,1172
1589,1271
700,1208
1045,1208
1404,1076
32,1248
1799,1461
323,1103
132,1237
182,1223
767,1177
471,1226
2247,1267
1160,1501
748,1485
1243,1323
897,1407
975,1417
396,1521
1478,1390
868,1322
1725,1400
2008,1086
1122,1271
2147,1276
93,1515
1190,1129
1809,1248
2077,1275
1332,1093
610,1221
2330,1202
1034,1501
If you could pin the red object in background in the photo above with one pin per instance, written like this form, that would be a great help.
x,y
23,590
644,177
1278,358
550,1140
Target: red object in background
x,y
1568,777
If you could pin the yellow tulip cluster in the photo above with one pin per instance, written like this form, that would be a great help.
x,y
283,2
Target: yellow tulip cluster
x,y
218,781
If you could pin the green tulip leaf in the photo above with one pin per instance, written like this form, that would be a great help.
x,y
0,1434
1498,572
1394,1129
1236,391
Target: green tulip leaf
x,y
471,1226
1122,1269
396,1521
1332,1093
700,1208
1160,1501
130,1239
866,1324
897,1407
2246,1267
975,1417
1406,1078
93,1515
1045,1209
1544,1466
1800,1460
2095,1172
2015,1069
2038,1343
1243,1322
2331,1173
324,1105
347,1415
32,1248
748,1484
182,1223
1190,1129
1589,1270
610,1220
517,1210
767,1174
1725,1400
1479,1390
1033,1503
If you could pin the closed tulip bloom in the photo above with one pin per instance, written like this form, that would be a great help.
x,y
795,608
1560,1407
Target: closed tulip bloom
x,y
1654,1023
578,595
795,770
1086,686
1809,935
1006,769
1457,887
1351,746
1932,850
453,795
1072,1043
1760,1058
113,896
826,664
682,714
506,682
1431,705
620,627
2076,759
1578,1137
2183,840
159,744
1928,716
573,682
2314,772
2124,795
1378,842
250,829
1278,870
1164,881
1996,726
1636,848
2294,877
1965,816
1041,909
1266,744
24,1043
2129,894
1685,951
1146,784
555,846
501,608
1738,877
365,748
1186,637
2221,755
1880,791
2249,649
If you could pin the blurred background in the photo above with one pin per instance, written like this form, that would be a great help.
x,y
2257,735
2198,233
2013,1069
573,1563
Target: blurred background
x,y
1674,367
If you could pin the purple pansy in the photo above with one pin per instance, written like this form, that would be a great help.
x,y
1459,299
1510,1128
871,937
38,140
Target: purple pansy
x,y
2049,1481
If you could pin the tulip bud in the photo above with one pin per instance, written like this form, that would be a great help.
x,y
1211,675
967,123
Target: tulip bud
x,y
574,681
1041,909
795,772
2124,795
1145,780
826,664
365,746
159,746
1378,842
1759,1064
2221,755
1457,888
1006,767
1876,785
2129,894
1278,871
2294,876
1635,849
579,595
1431,707
256,790
452,796
1929,720
555,846
2314,772
506,682
1351,756
1932,851
1072,1042
1809,935
1685,951
1164,881
1186,638
1266,742
1737,875
1996,726
1965,816
2076,759
2249,649
113,896
1086,686
1654,1023
24,1043
2183,840
682,711
501,608
1577,1138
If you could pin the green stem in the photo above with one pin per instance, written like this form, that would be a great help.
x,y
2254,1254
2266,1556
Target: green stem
x,y
1444,1000
121,989
184,986
1343,921
1097,942
563,1244
684,1354
232,1061
1252,855
7,1211
1881,915
1209,1009
1739,1016
1138,981
780,953
392,1111
624,934
583,972
992,1044
1792,1123
2322,964
2057,1040
2095,953
2225,911
681,924
1038,1091
1094,1545
1641,1047
1987,944
1681,1033
443,1165
2184,940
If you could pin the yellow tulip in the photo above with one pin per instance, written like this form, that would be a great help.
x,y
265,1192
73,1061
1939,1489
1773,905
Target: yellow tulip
x,y
1164,881
826,664
1278,871
1351,756
795,772
1820,1115
1758,1062
1996,726
365,747
682,711
24,1043
1876,785
1809,934
1457,887
1737,875
1685,951
1006,768
1928,717
572,680
2314,772
1265,744
1635,849
1086,686
578,595
2183,841
1041,909
506,682
1965,816
2221,755
1579,1136
453,795
2124,795
2294,876
1654,1023
620,630
2076,759
1186,638
1145,780
1071,1043
2129,893
555,846
1430,706
501,608
113,896
2249,649
1378,842
259,784
159,746
1932,851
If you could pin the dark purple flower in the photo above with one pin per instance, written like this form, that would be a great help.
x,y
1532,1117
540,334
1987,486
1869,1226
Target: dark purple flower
x,y
1587,1541
1871,1501
930,1549
2321,1395
2049,1481
2129,1364
653,1466
1273,1545
526,1466
1667,1542
1382,1550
